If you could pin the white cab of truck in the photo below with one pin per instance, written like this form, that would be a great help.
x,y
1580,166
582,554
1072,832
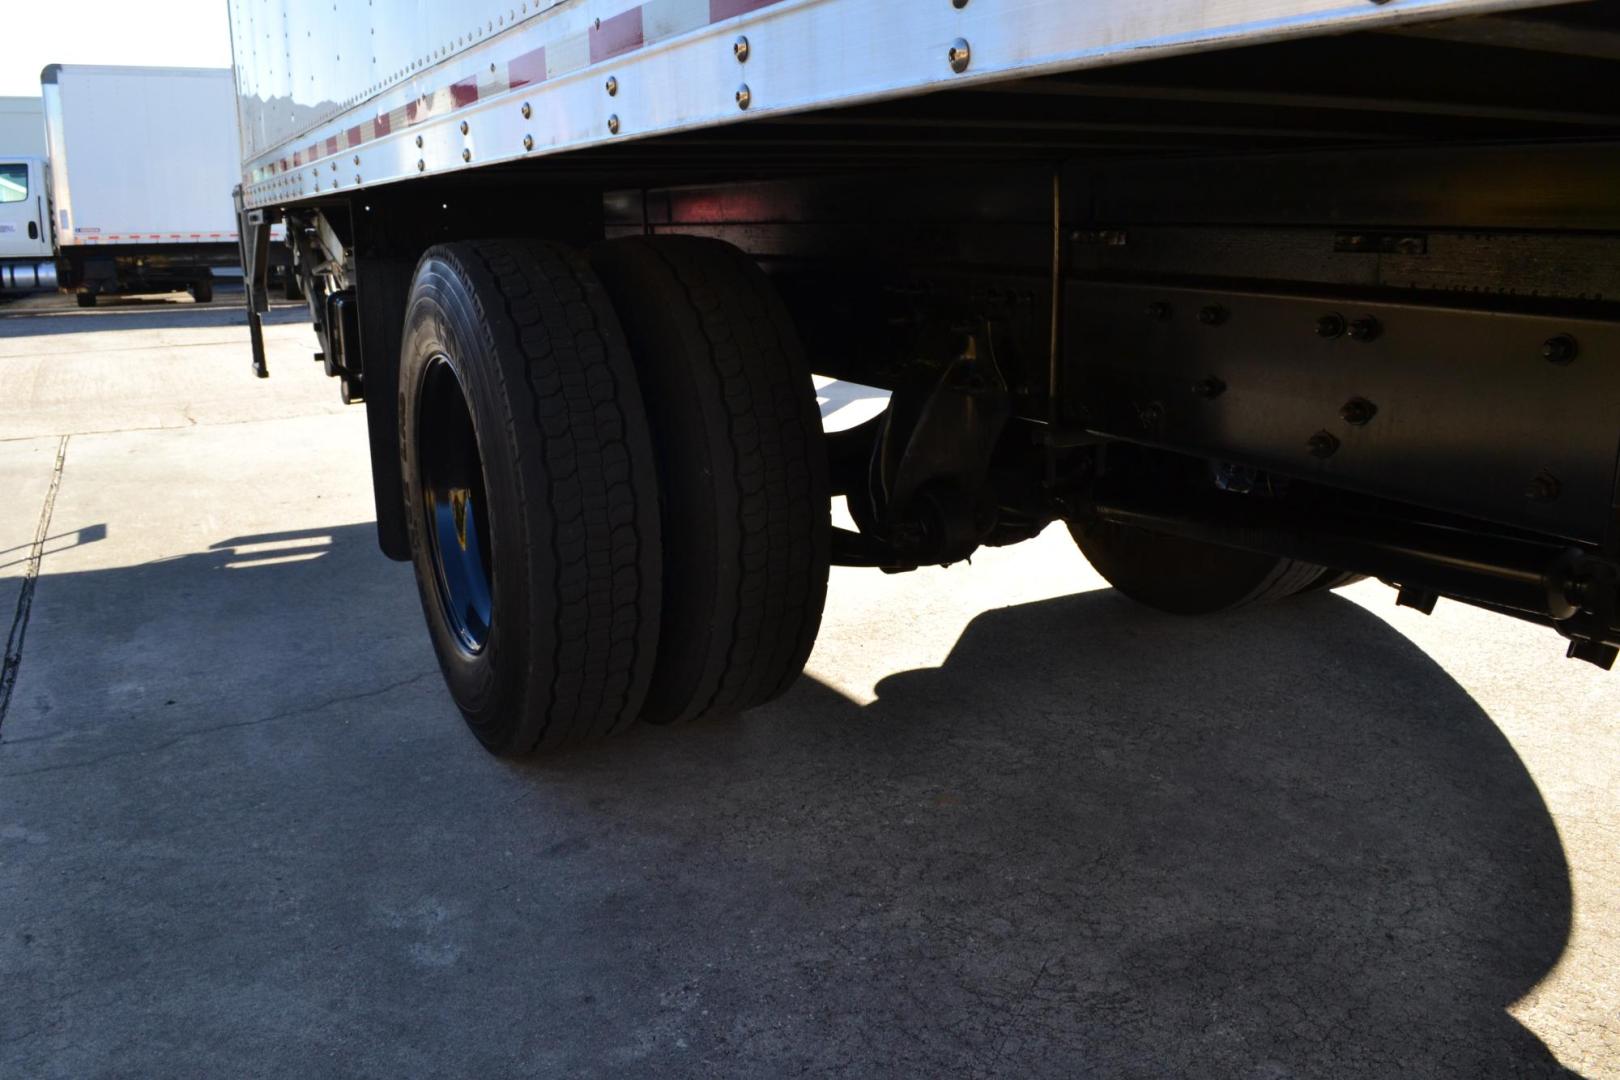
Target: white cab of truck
x,y
24,225
25,235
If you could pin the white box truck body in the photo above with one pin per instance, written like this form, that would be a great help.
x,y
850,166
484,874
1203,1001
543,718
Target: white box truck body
x,y
1255,296
142,161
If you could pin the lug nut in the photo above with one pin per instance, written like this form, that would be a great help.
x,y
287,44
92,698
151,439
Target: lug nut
x,y
1158,311
1560,349
1152,415
1357,411
1323,444
1365,328
1329,326
1209,388
1212,315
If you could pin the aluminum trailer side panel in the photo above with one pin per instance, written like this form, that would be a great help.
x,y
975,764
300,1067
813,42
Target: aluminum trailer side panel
x,y
140,156
332,98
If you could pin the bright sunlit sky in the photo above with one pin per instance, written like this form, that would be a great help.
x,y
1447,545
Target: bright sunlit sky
x,y
156,33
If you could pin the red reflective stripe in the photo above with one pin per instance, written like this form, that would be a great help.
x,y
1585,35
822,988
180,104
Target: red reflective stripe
x,y
381,125
464,92
726,9
528,68
617,36
354,135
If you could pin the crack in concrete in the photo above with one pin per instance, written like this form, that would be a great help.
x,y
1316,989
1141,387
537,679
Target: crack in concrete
x,y
12,661
196,732
1012,1019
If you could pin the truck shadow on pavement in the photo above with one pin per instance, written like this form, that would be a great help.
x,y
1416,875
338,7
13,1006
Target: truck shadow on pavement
x,y
1101,840
138,314
1094,841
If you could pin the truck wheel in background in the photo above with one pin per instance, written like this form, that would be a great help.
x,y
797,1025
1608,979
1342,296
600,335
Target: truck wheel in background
x,y
202,290
85,299
742,471
531,493
1189,577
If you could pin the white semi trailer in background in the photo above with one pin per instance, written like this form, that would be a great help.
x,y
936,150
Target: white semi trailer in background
x,y
127,196
1255,296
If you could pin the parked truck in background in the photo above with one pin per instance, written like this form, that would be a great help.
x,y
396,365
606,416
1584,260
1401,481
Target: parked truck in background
x,y
127,196
1256,298
25,235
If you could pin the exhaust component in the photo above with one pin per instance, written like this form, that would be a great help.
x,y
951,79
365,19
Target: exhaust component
x,y
28,275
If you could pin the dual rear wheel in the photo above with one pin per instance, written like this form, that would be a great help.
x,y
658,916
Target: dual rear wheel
x,y
584,560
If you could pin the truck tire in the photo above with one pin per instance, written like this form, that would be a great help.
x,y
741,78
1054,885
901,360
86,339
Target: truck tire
x,y
1329,580
1189,577
531,494
85,299
742,471
202,290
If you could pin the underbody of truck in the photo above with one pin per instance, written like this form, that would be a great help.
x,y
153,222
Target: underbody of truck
x,y
1252,320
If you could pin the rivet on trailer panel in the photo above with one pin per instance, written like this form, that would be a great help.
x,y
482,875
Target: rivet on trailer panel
x,y
613,124
527,110
740,48
1560,349
745,96
528,142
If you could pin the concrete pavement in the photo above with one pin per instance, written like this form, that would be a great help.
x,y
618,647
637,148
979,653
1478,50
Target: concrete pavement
x,y
1007,825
